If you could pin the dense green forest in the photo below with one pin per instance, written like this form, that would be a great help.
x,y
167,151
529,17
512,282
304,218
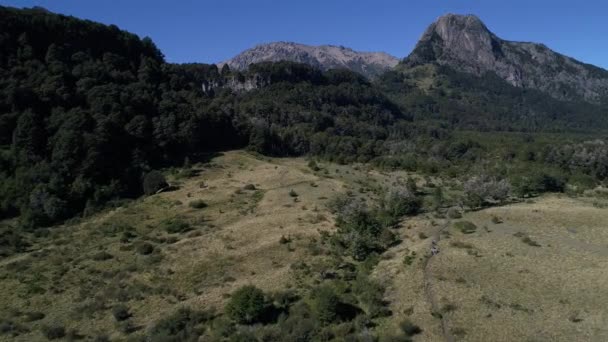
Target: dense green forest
x,y
87,110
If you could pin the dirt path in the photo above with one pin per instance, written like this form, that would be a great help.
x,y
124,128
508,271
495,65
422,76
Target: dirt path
x,y
428,286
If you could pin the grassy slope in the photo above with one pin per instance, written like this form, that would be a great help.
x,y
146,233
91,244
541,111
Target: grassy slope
x,y
498,286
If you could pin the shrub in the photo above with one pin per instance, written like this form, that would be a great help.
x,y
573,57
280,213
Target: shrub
x,y
153,182
247,305
180,326
325,304
313,166
528,241
249,187
409,328
496,220
198,204
53,332
465,227
101,256
292,193
401,201
121,312
481,190
176,225
144,248
454,213
33,316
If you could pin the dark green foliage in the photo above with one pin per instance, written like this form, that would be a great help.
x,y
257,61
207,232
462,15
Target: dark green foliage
x,y
247,305
465,227
182,326
53,332
33,316
144,248
153,182
361,231
87,110
401,201
10,327
121,312
537,182
325,304
409,328
101,256
198,204
176,225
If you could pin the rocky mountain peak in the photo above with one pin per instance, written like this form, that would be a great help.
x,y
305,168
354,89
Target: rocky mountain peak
x,y
464,43
369,64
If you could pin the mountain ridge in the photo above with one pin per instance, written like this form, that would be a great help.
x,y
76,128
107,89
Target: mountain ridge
x,y
464,43
369,64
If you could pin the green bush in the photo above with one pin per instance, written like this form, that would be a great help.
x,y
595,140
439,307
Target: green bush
x,y
465,227
121,312
101,256
144,248
198,204
183,325
247,305
176,225
53,332
153,182
409,328
454,213
33,316
325,304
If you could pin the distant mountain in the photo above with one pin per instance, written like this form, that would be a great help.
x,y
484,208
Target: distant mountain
x,y
369,64
465,44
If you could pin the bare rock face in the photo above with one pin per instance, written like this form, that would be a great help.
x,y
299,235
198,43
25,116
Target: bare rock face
x,y
369,64
464,43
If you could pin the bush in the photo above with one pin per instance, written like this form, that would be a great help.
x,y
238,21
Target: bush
x,y
249,187
153,182
325,304
465,227
482,190
292,193
176,225
454,213
409,328
180,326
539,182
101,256
33,316
121,312
313,166
198,204
401,201
144,248
53,332
247,305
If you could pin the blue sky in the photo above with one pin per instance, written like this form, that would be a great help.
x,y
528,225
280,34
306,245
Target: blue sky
x,y
214,30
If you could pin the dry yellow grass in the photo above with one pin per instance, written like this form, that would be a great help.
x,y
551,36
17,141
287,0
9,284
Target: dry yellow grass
x,y
489,285
512,291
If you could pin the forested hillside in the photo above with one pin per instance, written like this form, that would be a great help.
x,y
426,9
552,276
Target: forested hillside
x,y
87,110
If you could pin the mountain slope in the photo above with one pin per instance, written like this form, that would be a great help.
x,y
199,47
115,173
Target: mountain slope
x,y
369,64
465,44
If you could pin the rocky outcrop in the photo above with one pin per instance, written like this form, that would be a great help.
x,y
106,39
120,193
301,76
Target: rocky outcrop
x,y
324,57
236,83
464,43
